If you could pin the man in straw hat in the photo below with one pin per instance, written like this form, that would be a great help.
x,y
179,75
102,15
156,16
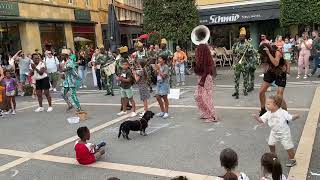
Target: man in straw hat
x,y
71,80
140,53
244,52
103,60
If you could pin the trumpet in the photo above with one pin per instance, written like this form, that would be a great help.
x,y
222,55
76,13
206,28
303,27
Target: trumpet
x,y
248,43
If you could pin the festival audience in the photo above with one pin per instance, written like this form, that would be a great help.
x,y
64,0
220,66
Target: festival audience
x,y
52,64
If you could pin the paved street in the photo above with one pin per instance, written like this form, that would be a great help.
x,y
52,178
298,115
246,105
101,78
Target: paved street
x,y
40,146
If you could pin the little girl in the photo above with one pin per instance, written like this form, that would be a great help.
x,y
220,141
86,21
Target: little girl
x,y
229,161
271,167
278,121
10,85
141,80
163,87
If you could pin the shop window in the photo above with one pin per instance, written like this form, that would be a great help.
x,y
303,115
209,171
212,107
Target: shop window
x,y
52,36
85,35
9,38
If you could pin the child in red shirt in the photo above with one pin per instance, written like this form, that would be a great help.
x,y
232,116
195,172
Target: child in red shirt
x,y
87,153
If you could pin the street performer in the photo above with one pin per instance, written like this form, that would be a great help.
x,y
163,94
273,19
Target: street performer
x,y
164,51
276,72
244,52
107,70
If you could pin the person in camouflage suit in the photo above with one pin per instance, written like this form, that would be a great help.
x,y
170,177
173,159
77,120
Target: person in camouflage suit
x,y
104,60
246,65
166,52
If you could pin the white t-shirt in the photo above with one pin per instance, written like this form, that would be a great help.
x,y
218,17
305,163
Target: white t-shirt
x,y
36,75
269,177
277,120
51,64
242,176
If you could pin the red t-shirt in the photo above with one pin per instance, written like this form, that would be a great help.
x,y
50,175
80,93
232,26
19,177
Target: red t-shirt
x,y
84,153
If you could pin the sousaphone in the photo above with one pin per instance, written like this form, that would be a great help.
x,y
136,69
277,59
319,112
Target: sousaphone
x,y
200,35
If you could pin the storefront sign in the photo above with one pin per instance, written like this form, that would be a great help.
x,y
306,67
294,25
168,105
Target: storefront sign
x,y
82,15
9,8
236,14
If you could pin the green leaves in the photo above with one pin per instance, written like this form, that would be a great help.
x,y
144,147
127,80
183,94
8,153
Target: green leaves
x,y
299,12
172,19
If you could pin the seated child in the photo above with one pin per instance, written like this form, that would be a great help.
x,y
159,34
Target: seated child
x,y
278,119
87,153
271,167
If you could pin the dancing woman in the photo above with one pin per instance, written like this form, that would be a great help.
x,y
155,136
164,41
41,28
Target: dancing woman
x,y
276,72
205,69
71,81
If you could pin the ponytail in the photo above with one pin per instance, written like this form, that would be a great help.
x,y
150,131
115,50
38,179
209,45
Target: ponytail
x,y
271,164
230,176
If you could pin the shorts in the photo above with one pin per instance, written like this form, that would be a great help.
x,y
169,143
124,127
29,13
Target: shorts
x,y
23,78
284,138
287,56
53,76
126,93
162,89
10,93
43,84
280,80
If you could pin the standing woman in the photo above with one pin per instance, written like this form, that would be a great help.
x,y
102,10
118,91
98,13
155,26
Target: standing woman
x,y
71,81
38,71
205,69
305,46
83,65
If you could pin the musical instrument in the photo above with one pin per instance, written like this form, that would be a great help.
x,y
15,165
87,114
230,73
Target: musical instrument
x,y
200,35
247,43
109,68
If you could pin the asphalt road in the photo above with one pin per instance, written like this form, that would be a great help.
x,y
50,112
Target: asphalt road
x,y
181,143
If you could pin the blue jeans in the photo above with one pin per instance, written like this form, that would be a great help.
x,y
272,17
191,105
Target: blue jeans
x,y
82,70
316,62
179,68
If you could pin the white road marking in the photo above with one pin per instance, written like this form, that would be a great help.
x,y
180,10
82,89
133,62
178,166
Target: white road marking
x,y
15,172
157,129
228,134
210,129
221,142
36,105
314,174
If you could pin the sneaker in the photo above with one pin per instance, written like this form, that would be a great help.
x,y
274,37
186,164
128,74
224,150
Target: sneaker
x,y
133,114
298,77
54,90
261,75
13,112
165,116
51,89
160,114
50,109
81,87
7,112
178,84
122,113
84,86
305,77
39,109
183,83
291,163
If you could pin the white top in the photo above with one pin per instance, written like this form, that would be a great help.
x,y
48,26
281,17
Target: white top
x,y
277,120
269,177
51,64
242,176
36,75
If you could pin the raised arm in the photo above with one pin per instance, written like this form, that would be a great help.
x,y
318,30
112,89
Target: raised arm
x,y
274,60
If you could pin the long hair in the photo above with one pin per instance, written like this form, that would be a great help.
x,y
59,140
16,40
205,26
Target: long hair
x,y
204,61
271,164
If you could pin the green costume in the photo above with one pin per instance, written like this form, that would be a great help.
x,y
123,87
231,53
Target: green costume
x,y
246,52
70,84
107,80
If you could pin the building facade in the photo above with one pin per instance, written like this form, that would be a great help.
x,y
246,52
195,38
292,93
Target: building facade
x,y
47,24
225,18
130,16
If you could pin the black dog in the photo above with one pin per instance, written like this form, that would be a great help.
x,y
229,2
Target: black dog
x,y
138,125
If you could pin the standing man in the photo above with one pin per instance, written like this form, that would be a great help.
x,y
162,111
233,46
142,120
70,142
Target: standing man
x,y
24,63
168,54
141,53
244,53
104,60
52,64
315,51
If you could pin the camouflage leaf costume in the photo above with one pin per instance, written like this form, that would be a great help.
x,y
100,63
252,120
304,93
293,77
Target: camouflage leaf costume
x,y
246,68
104,59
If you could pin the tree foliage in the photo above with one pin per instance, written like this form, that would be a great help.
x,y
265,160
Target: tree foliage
x,y
299,12
172,19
